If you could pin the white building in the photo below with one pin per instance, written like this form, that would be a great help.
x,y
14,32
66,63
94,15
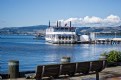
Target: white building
x,y
84,38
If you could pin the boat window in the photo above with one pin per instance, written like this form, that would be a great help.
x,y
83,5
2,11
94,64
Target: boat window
x,y
59,37
69,37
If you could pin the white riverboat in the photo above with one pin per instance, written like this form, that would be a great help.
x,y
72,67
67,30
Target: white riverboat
x,y
61,34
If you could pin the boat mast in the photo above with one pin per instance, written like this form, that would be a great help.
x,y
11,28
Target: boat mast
x,y
70,23
57,23
49,23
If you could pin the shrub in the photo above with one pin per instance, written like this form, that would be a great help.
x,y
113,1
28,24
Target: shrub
x,y
114,56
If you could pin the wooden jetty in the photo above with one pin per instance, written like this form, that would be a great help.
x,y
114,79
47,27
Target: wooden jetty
x,y
108,41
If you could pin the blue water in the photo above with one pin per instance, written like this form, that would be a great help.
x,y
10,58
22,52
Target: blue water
x,y
31,52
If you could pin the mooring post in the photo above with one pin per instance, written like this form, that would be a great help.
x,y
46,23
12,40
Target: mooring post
x,y
65,59
97,75
13,66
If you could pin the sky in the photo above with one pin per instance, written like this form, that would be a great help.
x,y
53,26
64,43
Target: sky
x,y
18,13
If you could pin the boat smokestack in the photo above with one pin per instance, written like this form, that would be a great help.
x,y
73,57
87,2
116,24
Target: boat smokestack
x,y
70,23
49,23
57,23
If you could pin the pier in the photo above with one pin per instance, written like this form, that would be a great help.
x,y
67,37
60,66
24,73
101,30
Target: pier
x,y
108,41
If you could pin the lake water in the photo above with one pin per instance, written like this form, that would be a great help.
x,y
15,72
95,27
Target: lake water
x,y
31,52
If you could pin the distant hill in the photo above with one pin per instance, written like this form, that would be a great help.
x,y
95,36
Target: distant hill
x,y
41,28
22,30
102,29
27,28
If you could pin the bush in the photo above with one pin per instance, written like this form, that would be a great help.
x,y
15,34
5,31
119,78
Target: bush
x,y
112,57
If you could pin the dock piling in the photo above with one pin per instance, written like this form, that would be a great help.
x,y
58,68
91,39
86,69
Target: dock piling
x,y
65,59
13,69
